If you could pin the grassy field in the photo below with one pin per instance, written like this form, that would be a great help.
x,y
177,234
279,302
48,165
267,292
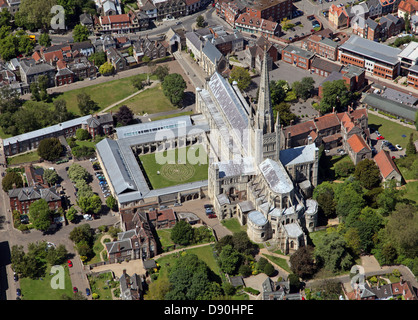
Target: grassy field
x,y
165,237
279,261
391,130
411,191
166,175
104,94
26,157
149,101
233,225
41,289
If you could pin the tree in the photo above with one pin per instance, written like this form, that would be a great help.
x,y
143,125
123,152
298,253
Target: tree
x,y
137,82
368,173
200,21
61,113
124,115
111,202
349,199
324,195
182,233
11,179
77,173
80,33
161,72
304,87
410,147
334,94
269,269
51,176
44,40
332,252
229,259
285,115
303,263
71,214
407,22
241,76
344,168
5,18
90,205
173,88
50,149
82,134
40,214
277,91
82,233
56,255
85,104
98,58
35,14
242,243
106,68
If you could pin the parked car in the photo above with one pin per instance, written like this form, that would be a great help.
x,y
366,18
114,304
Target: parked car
x,y
380,138
208,210
75,289
398,147
87,292
15,276
211,216
18,292
70,264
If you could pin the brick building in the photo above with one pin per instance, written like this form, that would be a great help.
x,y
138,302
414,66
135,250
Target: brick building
x,y
22,198
297,57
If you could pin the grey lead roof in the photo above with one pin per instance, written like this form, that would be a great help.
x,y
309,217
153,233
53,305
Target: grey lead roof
x,y
276,176
211,52
298,155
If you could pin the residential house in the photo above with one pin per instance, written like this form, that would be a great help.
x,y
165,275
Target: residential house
x,y
103,43
247,23
31,71
272,290
153,49
402,290
121,23
192,6
338,17
64,76
21,198
131,287
115,58
162,218
391,25
230,10
147,7
132,244
101,124
374,8
407,7
170,8
388,169
35,176
297,56
82,68
85,48
87,20
357,148
368,29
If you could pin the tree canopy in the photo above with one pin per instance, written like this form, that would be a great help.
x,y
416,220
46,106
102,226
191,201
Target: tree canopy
x,y
173,88
11,178
241,76
334,94
50,149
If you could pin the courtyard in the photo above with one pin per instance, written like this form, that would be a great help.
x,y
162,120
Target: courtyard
x,y
174,167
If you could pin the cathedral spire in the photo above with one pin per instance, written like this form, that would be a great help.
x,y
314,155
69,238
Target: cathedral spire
x,y
264,111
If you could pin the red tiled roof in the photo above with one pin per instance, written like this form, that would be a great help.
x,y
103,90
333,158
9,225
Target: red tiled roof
x,y
53,56
36,56
337,10
263,24
357,143
118,18
385,163
300,128
327,121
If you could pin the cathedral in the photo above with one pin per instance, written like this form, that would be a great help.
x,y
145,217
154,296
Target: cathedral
x,y
251,176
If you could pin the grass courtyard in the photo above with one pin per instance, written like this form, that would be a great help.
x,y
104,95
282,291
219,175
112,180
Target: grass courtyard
x,y
186,165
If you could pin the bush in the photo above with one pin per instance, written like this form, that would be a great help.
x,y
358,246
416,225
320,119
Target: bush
x,y
269,269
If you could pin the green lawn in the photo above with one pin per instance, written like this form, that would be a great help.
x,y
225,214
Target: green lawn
x,y
391,130
165,237
279,261
42,290
180,172
151,100
233,225
104,94
26,157
412,191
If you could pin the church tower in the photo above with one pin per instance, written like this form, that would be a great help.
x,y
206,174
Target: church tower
x,y
264,113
